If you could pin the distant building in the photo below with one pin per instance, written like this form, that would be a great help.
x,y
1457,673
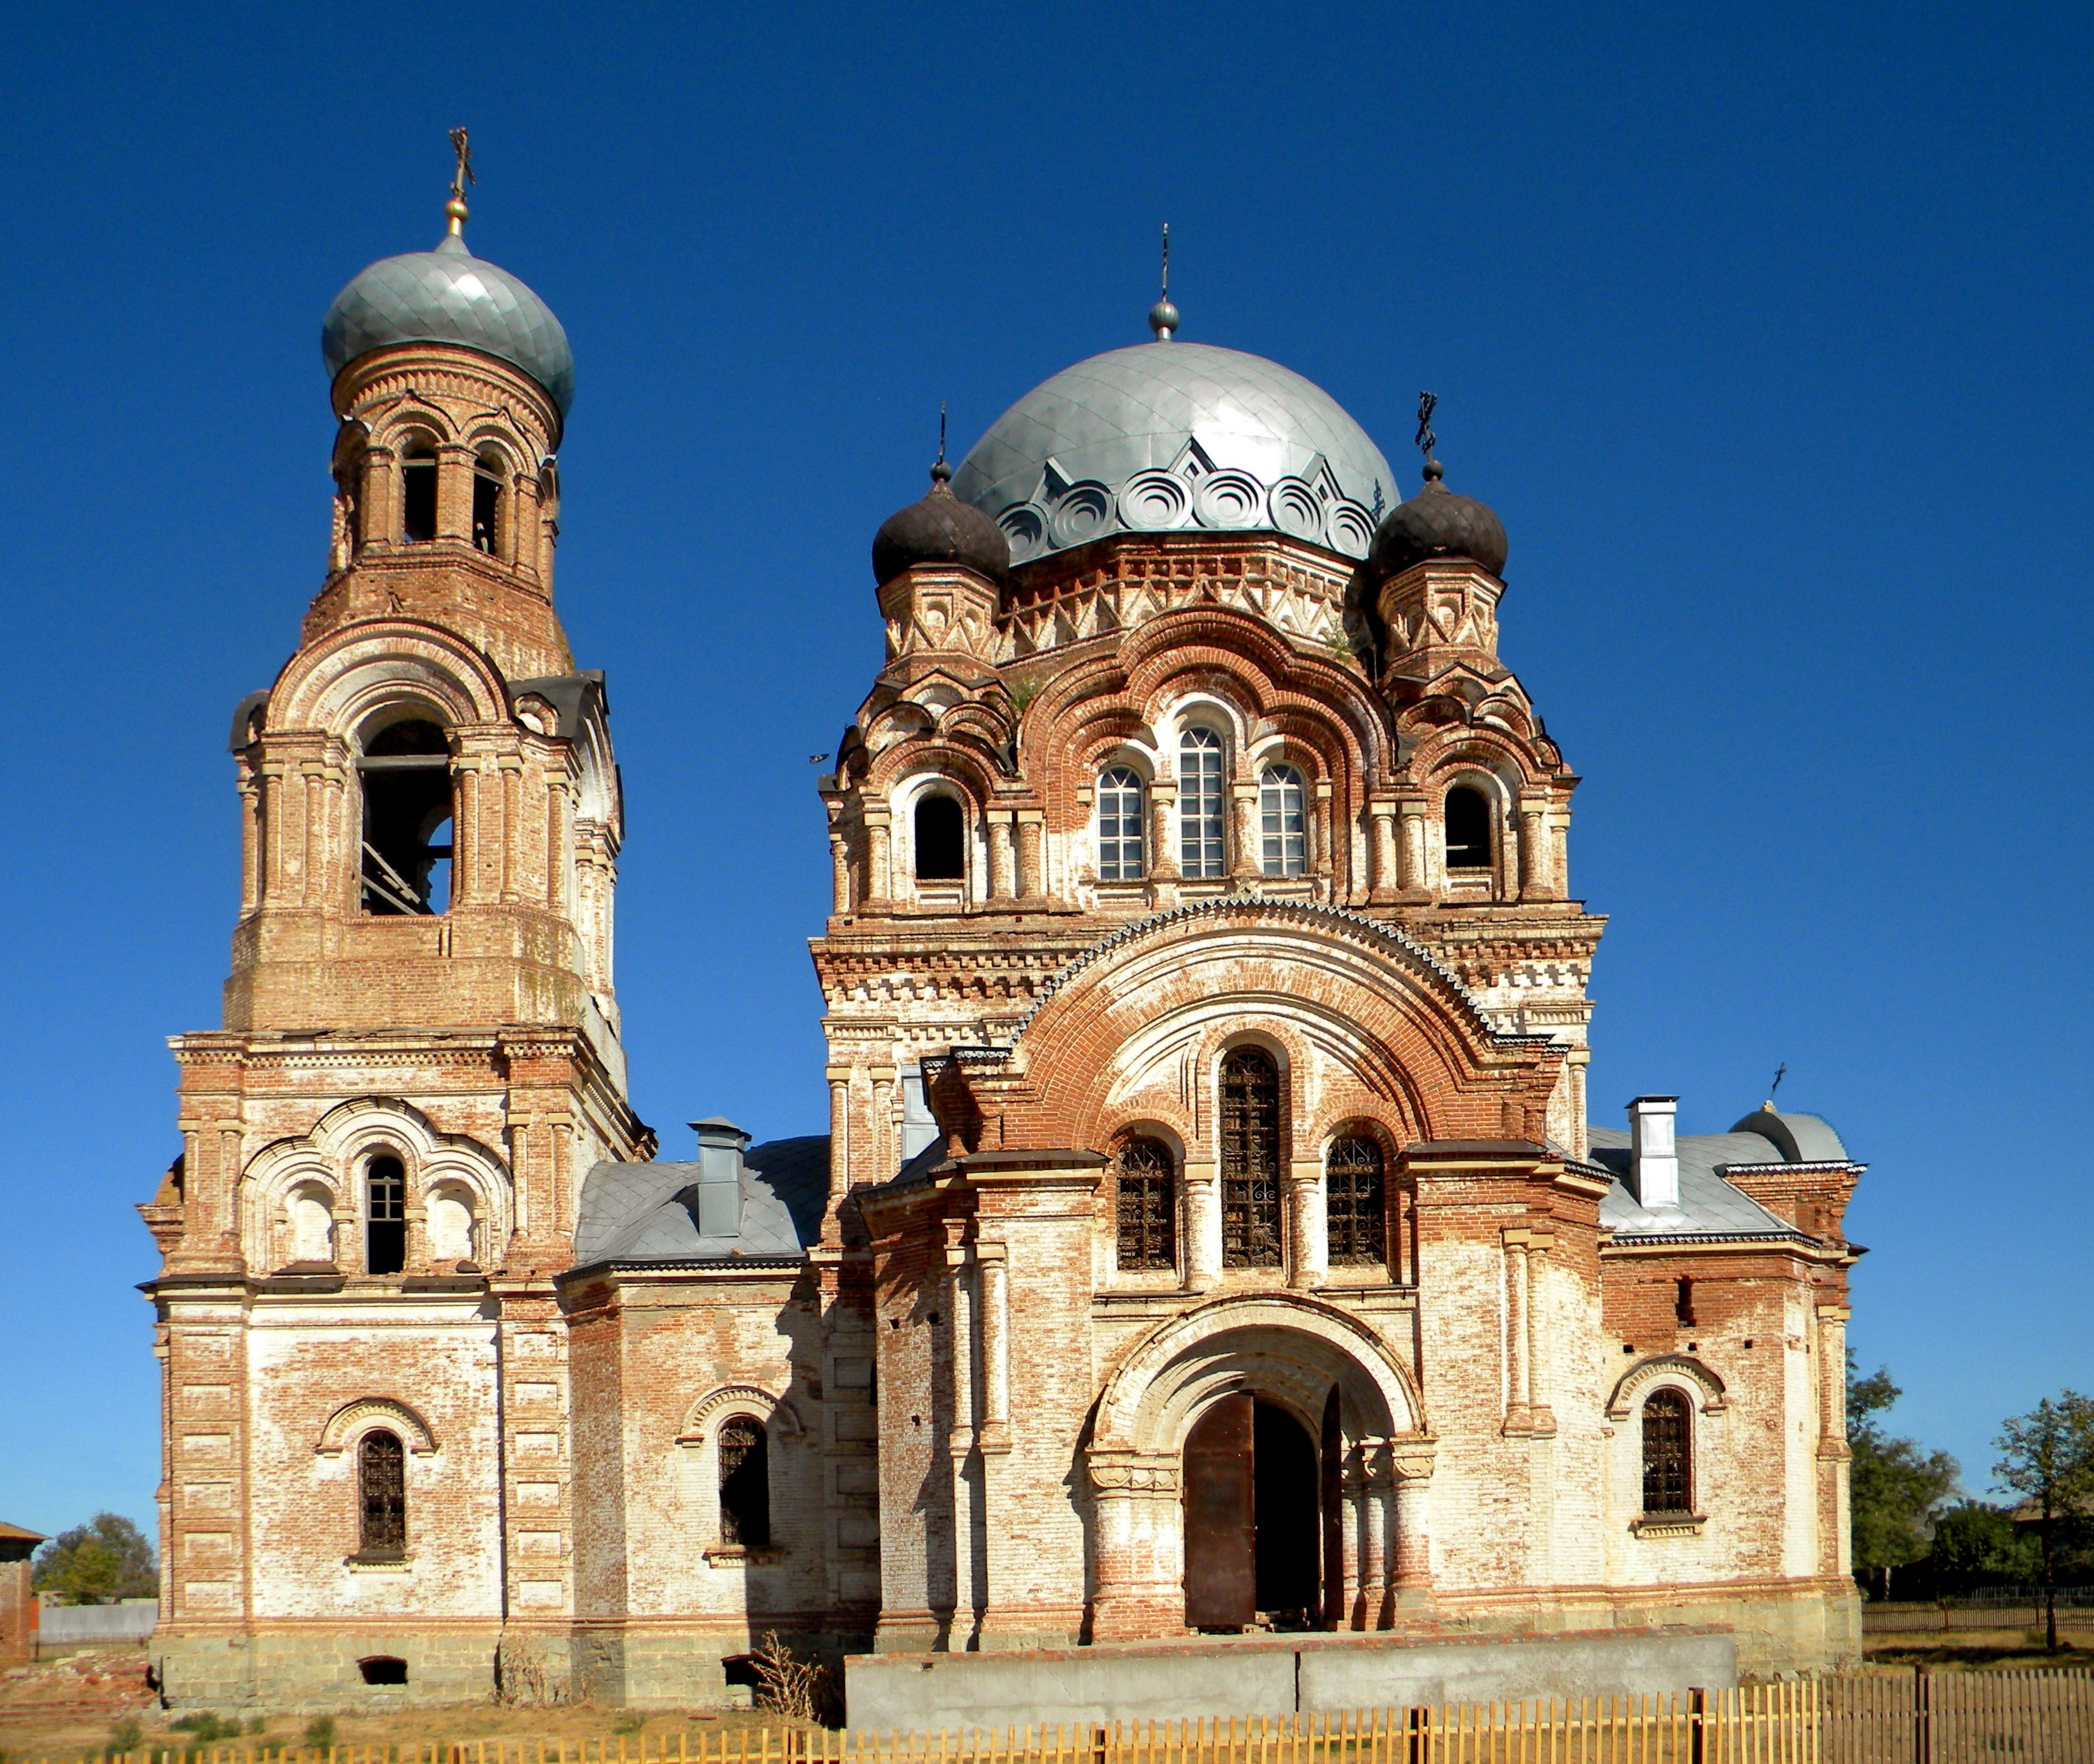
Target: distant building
x,y
18,1604
1208,1231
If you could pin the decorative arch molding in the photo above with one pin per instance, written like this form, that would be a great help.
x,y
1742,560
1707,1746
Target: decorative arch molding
x,y
777,1415
341,1139
362,667
1681,1371
353,1420
1173,1374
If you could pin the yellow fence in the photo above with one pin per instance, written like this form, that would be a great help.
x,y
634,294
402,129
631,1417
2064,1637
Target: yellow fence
x,y
1950,1718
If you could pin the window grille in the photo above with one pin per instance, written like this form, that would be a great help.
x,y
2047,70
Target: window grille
x,y
1120,831
1281,821
385,1217
1145,1205
1202,844
1468,829
744,1486
1668,1482
381,1481
1353,1202
1250,1160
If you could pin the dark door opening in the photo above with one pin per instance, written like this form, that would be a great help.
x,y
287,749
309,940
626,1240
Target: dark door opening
x,y
1253,1518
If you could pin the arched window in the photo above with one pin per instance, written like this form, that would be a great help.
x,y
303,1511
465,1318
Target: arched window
x,y
1668,1467
940,838
1282,822
418,493
1120,834
385,1216
1468,829
406,771
487,476
744,1482
1250,1160
1202,848
1145,1205
381,1492
1353,1201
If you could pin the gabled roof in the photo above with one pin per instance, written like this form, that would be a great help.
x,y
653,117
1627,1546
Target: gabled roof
x,y
1709,1204
649,1212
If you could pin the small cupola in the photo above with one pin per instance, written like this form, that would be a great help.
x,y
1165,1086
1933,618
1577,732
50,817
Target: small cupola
x,y
940,529
1437,523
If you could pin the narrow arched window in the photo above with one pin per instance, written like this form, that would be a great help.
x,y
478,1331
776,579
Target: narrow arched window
x,y
940,839
1668,1467
1282,822
744,1482
418,494
1353,1201
405,772
1121,837
384,1216
1202,844
1145,1205
1250,1160
487,475
1468,829
381,1494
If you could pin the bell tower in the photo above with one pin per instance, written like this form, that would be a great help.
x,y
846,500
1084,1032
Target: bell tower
x,y
420,1058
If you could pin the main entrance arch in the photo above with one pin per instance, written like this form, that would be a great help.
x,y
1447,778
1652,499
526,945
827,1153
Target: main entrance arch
x,y
1241,1461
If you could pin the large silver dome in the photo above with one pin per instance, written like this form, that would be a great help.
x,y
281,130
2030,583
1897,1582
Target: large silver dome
x,y
450,296
1171,435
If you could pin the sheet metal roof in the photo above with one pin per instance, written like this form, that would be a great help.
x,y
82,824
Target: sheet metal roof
x,y
649,1212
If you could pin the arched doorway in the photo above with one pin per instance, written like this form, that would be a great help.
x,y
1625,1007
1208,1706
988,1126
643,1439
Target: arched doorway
x,y
1254,1523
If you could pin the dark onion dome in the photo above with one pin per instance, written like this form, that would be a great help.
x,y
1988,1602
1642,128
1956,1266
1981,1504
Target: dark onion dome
x,y
1437,523
450,296
939,529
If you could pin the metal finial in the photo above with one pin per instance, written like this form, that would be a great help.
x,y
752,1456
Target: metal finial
x,y
940,472
1427,403
1163,316
455,210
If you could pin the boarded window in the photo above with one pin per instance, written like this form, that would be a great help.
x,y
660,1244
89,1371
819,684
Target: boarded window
x,y
1120,836
1250,1160
1668,1480
940,842
744,1486
1145,1205
1353,1201
381,1484
1202,849
385,1217
1468,829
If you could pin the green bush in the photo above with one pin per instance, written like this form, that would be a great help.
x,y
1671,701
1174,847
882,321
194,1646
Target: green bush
x,y
123,1737
207,1730
319,1732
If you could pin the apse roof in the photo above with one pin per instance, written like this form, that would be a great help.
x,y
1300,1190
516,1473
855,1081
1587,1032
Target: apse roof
x,y
1175,434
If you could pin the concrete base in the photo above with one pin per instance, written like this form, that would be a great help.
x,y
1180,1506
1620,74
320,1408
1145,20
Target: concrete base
x,y
1273,1675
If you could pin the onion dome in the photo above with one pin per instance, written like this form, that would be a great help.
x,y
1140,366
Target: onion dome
x,y
1437,523
450,296
1174,436
939,529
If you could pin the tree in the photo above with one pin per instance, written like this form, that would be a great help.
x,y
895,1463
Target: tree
x,y
1895,1488
2047,1456
97,1563
1973,1539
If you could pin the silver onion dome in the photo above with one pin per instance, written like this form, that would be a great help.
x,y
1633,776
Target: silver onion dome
x,y
1170,436
450,296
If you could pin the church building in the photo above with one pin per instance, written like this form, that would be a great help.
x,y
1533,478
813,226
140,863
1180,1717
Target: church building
x,y
1209,1234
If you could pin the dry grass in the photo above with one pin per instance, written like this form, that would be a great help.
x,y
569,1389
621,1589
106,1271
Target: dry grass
x,y
1976,1650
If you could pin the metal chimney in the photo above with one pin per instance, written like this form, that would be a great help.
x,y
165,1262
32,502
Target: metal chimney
x,y
1654,1154
720,1146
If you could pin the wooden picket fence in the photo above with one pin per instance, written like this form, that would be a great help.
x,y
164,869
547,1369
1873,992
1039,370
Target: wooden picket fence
x,y
2044,1717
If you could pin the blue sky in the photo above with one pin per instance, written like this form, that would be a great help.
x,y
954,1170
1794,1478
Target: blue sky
x,y
1765,330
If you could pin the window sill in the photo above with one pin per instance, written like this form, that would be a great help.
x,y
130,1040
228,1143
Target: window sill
x,y
727,1555
379,1564
1669,1524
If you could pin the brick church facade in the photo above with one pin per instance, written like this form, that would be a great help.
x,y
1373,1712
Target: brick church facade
x,y
1209,1232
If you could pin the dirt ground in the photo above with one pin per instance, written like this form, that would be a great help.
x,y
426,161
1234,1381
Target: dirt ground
x,y
1977,1650
68,1708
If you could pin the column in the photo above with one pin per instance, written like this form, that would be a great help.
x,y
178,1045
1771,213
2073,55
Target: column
x,y
1139,1561
1002,864
1163,831
454,465
995,1345
1378,1540
1832,1379
1203,1224
879,881
512,784
1383,817
250,843
1308,1245
378,518
1534,867
840,888
882,1149
1247,853
1031,854
1519,1383
1540,1417
1322,861
1412,877
840,1148
1411,1579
